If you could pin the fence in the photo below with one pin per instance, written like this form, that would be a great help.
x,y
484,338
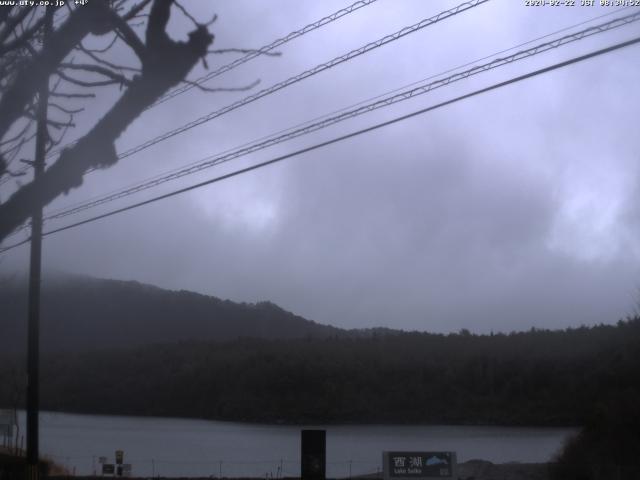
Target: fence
x,y
13,468
214,468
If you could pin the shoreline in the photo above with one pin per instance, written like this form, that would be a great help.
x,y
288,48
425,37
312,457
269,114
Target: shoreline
x,y
283,423
471,469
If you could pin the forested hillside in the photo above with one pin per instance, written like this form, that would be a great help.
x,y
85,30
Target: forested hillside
x,y
82,313
529,378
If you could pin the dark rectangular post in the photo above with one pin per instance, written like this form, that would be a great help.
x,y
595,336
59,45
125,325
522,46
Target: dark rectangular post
x,y
313,462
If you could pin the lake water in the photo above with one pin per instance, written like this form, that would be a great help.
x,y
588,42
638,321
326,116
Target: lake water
x,y
181,447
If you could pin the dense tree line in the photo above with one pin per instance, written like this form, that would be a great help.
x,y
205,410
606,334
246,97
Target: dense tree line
x,y
538,377
607,447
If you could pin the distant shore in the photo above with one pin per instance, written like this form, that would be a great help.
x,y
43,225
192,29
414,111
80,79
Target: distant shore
x,y
472,469
302,422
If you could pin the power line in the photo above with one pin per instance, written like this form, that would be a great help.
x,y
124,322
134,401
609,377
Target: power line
x,y
304,75
251,147
307,73
297,78
422,89
339,139
137,185
301,76
237,62
265,49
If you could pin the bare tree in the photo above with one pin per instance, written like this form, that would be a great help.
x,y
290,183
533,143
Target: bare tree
x,y
25,61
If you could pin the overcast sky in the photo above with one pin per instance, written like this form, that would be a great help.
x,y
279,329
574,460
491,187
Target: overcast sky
x,y
515,209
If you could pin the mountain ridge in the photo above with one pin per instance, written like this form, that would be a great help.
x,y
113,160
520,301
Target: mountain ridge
x,y
85,313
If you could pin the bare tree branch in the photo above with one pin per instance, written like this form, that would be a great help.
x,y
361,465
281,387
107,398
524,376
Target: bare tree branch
x,y
23,39
85,83
186,13
104,62
54,142
164,65
135,10
54,123
117,77
12,22
4,14
64,109
15,147
124,31
16,137
158,19
212,21
108,47
16,151
23,87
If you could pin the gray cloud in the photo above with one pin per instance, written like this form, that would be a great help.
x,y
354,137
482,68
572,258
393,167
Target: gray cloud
x,y
511,210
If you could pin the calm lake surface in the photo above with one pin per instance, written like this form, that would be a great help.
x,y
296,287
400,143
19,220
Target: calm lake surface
x,y
174,447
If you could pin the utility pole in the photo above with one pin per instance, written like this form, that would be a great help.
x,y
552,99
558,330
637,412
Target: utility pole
x,y
33,337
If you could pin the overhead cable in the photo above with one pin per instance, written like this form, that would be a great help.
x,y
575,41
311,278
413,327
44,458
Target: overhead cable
x,y
463,7
338,139
333,113
237,62
421,89
265,49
